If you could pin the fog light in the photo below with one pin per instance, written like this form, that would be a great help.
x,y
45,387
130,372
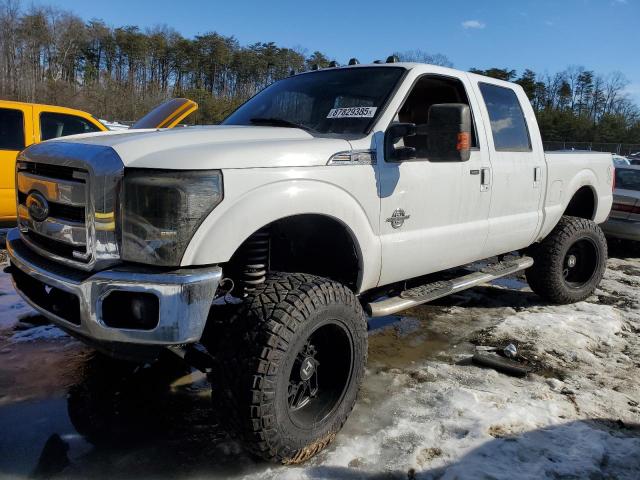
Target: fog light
x,y
131,310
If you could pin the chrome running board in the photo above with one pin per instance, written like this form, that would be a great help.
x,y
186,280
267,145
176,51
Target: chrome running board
x,y
431,291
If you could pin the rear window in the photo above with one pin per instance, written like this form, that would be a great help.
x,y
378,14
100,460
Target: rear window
x,y
54,125
508,124
628,179
11,129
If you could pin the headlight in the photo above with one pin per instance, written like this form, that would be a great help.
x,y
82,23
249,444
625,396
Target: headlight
x,y
162,210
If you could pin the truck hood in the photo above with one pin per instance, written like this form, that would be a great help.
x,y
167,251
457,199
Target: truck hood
x,y
224,146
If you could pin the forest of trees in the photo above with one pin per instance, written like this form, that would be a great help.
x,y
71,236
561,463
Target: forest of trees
x,y
48,55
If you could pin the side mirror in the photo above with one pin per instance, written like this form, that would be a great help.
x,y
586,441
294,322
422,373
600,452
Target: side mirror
x,y
449,132
394,134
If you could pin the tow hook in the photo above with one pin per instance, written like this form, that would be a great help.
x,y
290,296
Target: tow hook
x,y
196,356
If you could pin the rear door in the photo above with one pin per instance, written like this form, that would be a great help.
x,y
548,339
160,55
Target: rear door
x,y
16,129
517,168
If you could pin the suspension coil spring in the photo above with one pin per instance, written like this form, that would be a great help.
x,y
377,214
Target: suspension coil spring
x,y
256,255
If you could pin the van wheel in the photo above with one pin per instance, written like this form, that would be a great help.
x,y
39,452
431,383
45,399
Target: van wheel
x,y
291,361
570,262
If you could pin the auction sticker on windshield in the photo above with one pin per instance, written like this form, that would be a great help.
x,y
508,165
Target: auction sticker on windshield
x,y
352,112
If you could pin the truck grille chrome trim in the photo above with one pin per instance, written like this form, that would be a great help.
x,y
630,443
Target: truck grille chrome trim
x,y
79,183
73,233
59,191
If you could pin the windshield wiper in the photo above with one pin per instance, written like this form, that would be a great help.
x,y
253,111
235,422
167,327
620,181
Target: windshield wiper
x,y
279,122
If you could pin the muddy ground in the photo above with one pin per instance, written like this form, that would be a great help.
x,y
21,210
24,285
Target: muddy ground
x,y
425,410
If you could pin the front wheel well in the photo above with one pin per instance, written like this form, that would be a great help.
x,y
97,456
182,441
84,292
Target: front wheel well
x,y
309,243
582,204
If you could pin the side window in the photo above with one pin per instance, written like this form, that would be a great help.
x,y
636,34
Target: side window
x,y
508,124
427,91
54,125
11,129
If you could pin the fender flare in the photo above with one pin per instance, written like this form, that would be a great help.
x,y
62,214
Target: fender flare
x,y
232,222
584,178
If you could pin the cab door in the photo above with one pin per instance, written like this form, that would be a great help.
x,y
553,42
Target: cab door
x,y
16,133
433,214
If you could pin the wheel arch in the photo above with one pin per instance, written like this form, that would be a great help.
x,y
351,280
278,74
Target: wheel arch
x,y
228,226
310,243
581,197
583,203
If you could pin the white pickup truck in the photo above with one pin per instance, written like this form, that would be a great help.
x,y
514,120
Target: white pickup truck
x,y
254,248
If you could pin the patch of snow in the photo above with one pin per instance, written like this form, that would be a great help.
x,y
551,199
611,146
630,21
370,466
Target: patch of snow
x,y
571,331
12,307
114,126
42,332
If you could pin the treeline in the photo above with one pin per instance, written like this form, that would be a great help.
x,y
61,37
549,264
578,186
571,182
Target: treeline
x,y
48,55
578,105
53,56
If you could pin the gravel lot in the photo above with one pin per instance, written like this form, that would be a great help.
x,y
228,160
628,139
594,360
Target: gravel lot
x,y
425,410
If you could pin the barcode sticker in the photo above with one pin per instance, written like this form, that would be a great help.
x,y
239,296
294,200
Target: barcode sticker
x,y
352,112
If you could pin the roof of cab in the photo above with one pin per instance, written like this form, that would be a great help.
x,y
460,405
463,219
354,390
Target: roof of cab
x,y
413,65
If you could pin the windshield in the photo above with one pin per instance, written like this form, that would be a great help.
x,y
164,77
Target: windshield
x,y
628,179
343,101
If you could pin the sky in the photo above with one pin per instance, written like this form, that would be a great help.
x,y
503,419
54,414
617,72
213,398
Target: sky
x,y
544,35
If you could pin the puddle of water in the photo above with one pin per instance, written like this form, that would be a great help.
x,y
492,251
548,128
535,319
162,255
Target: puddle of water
x,y
397,341
38,369
104,416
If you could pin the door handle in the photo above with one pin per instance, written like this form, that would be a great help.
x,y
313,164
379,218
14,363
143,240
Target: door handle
x,y
537,175
485,179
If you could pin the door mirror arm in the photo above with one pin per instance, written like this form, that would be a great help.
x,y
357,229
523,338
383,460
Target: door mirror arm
x,y
394,134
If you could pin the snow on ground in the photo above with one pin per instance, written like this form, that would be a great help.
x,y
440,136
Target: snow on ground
x,y
424,411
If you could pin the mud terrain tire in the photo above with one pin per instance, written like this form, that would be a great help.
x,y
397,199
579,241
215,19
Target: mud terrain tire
x,y
570,262
295,334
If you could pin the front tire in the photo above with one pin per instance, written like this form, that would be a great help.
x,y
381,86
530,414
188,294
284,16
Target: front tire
x,y
291,358
570,262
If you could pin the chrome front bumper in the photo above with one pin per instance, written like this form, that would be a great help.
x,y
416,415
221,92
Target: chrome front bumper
x,y
185,296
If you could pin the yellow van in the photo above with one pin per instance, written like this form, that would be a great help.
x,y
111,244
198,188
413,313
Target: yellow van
x,y
22,124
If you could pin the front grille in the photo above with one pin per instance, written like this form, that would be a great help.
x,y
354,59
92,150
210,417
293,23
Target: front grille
x,y
79,183
57,248
60,210
60,172
63,233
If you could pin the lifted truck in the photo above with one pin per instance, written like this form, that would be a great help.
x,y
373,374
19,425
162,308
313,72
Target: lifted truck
x,y
254,248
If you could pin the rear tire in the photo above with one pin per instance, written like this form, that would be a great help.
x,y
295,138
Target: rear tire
x,y
291,361
570,262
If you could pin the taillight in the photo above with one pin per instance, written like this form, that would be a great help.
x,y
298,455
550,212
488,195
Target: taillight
x,y
623,207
